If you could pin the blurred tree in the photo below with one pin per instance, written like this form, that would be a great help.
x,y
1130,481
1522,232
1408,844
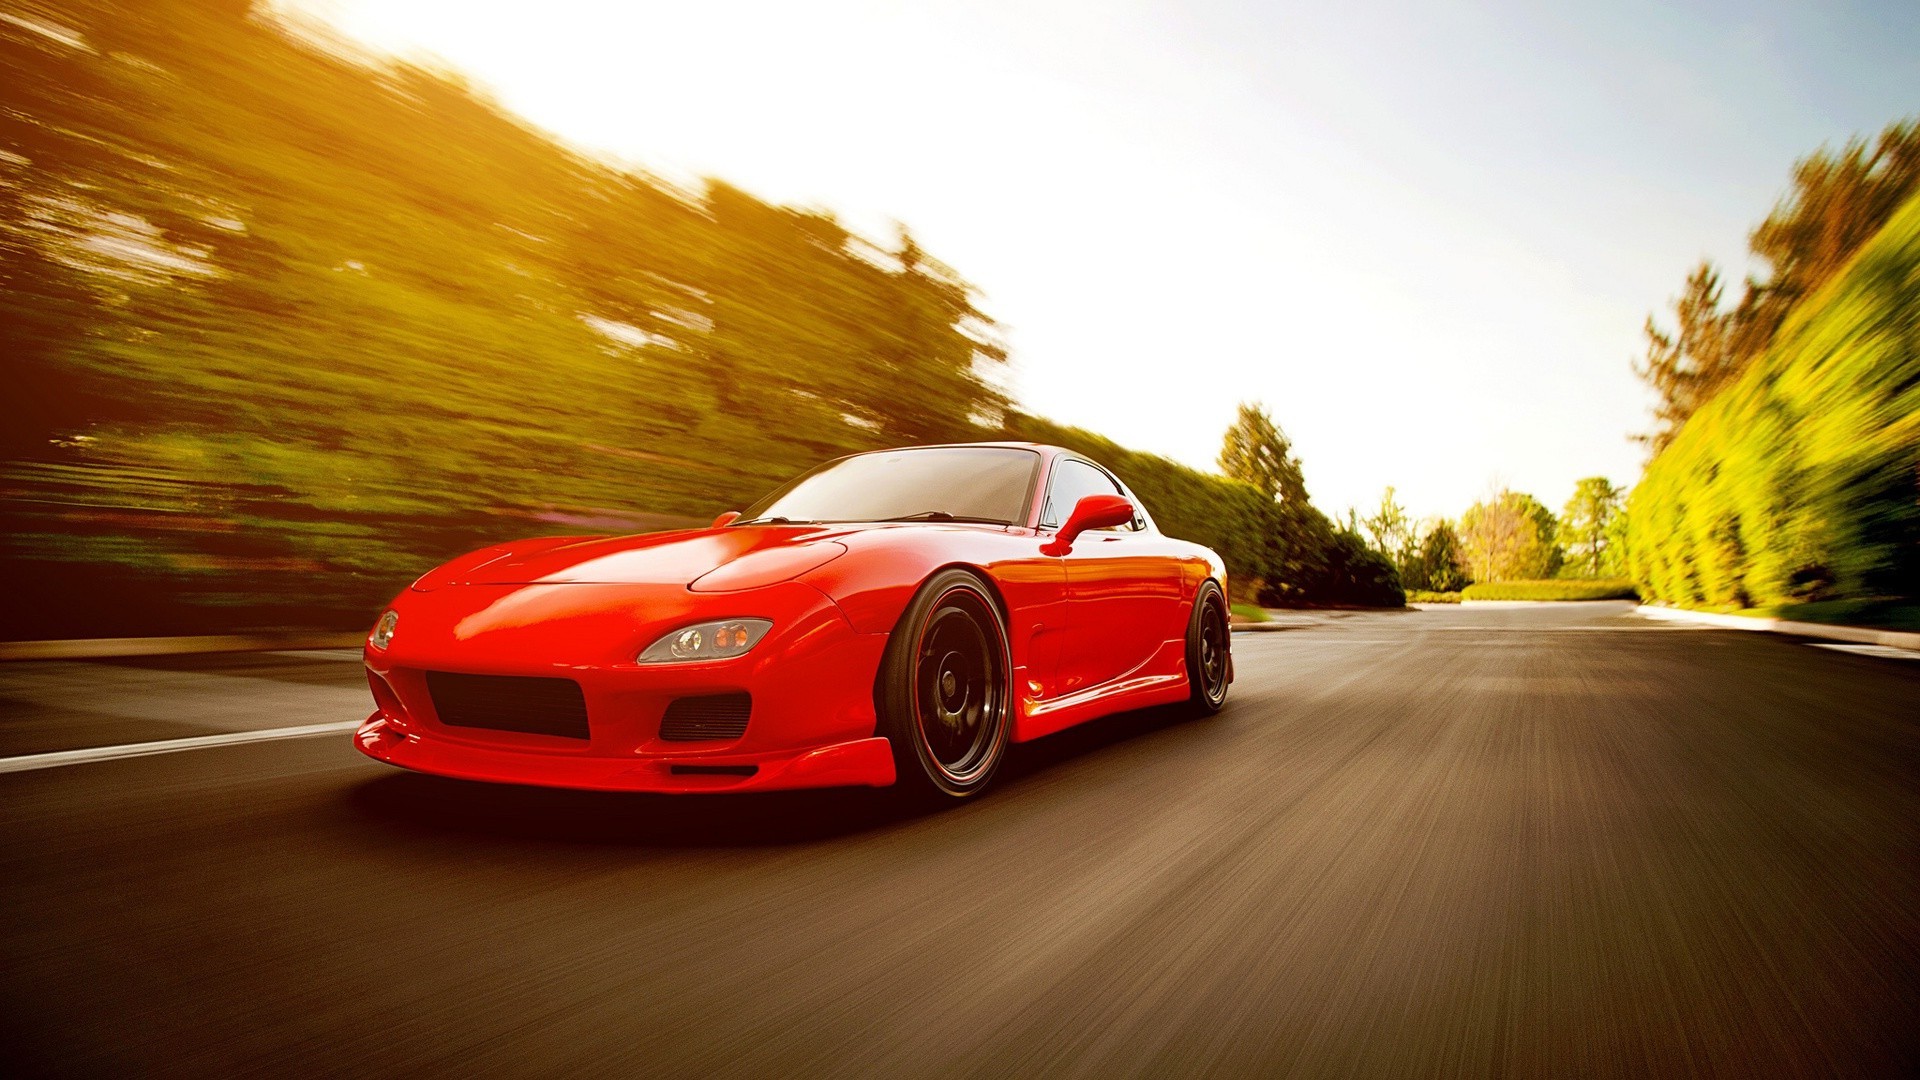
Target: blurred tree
x,y
1836,203
1509,537
1687,367
1439,564
1256,452
1586,526
1390,532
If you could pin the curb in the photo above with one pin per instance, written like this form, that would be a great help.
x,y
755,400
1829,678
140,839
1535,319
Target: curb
x,y
1858,635
1266,627
106,648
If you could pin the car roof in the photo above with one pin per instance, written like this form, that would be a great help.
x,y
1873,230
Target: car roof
x,y
1008,444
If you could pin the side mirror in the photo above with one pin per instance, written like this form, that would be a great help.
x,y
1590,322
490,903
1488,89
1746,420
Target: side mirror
x,y
1092,512
725,519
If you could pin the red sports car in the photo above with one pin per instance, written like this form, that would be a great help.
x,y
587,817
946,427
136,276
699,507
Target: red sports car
x,y
894,616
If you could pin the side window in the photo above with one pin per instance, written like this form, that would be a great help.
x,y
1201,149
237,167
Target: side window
x,y
1072,481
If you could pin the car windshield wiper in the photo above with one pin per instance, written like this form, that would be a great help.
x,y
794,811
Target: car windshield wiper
x,y
942,515
774,520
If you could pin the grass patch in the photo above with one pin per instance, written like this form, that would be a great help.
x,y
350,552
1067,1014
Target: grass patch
x,y
1555,589
1422,596
1251,613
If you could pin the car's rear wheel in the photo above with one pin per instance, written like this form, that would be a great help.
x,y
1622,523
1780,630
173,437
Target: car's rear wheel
x,y
1209,650
944,691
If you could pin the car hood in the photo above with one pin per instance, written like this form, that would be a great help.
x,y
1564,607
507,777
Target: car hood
x,y
751,556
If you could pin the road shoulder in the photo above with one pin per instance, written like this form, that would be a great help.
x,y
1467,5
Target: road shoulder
x,y
1857,635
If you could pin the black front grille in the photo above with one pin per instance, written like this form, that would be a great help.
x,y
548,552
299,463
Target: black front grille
x,y
537,706
700,719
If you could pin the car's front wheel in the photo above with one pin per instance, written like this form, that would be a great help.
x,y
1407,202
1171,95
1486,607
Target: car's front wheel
x,y
945,690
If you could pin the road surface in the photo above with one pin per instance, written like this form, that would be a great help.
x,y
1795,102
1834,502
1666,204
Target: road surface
x,y
1549,841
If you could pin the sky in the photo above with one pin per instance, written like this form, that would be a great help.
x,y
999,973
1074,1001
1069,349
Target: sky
x,y
1425,236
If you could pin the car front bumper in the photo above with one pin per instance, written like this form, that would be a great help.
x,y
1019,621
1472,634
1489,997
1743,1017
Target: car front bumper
x,y
858,763
811,722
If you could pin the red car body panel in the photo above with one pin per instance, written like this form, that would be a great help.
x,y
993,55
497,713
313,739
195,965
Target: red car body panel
x,y
1097,630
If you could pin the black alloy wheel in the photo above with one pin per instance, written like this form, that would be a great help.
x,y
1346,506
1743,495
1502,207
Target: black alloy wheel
x,y
944,692
1209,650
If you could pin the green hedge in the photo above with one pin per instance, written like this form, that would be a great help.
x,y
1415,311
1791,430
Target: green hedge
x,y
1801,482
1427,596
1553,589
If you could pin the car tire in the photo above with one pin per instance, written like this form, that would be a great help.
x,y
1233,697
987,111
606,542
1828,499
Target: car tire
x,y
945,692
1209,651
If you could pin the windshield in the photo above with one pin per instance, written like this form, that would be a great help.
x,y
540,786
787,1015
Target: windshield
x,y
987,484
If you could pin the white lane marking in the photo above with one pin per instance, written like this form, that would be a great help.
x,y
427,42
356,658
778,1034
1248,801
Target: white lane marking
x,y
29,762
1886,651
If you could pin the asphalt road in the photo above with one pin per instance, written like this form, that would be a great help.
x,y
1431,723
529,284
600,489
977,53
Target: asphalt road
x,y
1555,841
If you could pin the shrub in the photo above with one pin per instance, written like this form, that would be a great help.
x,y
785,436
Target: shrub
x,y
1428,596
1358,576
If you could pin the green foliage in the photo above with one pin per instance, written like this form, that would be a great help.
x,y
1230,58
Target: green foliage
x,y
1438,564
1426,596
1586,529
1295,536
1801,481
1837,202
1257,453
1619,539
1509,537
1358,576
1390,532
1555,589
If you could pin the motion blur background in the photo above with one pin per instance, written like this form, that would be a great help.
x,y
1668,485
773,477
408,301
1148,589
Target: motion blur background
x,y
288,319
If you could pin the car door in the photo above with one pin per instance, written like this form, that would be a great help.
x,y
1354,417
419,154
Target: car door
x,y
1121,584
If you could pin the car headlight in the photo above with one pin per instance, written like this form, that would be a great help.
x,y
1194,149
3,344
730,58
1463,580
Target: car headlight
x,y
382,634
716,640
